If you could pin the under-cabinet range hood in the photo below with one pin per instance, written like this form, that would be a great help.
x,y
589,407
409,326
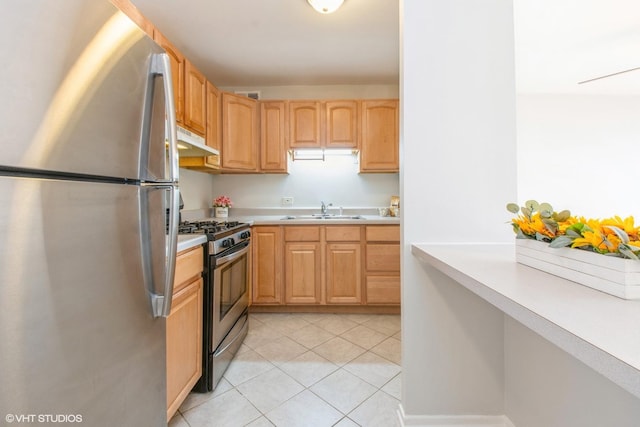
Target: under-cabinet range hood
x,y
193,145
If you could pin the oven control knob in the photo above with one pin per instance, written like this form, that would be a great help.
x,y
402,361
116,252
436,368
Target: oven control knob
x,y
245,234
227,243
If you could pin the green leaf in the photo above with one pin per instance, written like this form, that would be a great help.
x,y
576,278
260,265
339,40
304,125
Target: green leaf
x,y
626,251
513,208
546,211
572,233
561,242
562,216
532,205
526,212
542,237
622,235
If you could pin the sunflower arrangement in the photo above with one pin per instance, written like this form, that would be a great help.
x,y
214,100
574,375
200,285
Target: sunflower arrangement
x,y
613,236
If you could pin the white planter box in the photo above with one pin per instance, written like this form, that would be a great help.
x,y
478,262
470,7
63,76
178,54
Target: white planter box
x,y
615,276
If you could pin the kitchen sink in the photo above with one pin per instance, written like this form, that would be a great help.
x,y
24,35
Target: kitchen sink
x,y
320,216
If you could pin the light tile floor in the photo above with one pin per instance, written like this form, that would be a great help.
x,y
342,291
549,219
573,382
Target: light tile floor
x,y
306,370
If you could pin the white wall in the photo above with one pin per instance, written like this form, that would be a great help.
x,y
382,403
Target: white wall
x,y
580,152
196,189
545,386
458,170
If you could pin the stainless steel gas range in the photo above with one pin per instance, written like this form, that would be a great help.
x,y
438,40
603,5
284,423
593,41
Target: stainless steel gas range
x,y
226,294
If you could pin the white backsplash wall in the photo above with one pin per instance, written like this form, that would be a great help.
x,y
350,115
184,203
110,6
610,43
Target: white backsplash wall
x,y
196,189
309,182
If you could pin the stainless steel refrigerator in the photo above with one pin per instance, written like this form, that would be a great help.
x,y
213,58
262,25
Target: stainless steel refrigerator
x,y
88,216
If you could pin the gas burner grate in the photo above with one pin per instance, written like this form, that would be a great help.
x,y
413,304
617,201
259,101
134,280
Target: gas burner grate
x,y
208,227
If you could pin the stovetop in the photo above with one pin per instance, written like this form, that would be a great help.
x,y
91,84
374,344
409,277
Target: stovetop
x,y
214,230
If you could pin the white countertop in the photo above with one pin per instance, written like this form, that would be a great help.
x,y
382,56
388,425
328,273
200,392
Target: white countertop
x,y
601,330
278,220
188,241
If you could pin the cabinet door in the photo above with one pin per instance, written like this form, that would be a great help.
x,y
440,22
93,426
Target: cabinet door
x,y
177,72
379,136
384,289
195,99
239,133
341,124
267,265
344,276
184,344
214,125
273,136
302,273
304,124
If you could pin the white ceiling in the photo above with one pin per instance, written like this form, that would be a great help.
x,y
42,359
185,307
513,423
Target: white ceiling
x,y
285,42
282,42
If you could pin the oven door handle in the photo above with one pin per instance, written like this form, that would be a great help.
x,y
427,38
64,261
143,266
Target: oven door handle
x,y
233,256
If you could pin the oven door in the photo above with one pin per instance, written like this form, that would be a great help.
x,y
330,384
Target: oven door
x,y
230,293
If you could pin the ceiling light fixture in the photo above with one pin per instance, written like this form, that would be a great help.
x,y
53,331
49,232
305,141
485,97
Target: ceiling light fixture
x,y
326,6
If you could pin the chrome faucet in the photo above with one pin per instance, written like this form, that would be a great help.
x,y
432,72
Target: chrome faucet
x,y
324,207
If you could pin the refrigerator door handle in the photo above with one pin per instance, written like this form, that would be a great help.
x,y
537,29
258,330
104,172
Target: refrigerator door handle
x,y
162,65
170,252
159,276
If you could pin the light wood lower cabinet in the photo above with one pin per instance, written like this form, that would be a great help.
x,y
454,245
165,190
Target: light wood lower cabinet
x,y
267,265
310,265
382,265
184,329
344,278
303,265
343,264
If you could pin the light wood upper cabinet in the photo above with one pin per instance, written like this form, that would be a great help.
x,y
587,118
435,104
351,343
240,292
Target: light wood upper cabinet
x,y
184,329
304,124
214,124
177,72
267,265
323,124
195,99
239,133
379,136
273,136
341,124
213,136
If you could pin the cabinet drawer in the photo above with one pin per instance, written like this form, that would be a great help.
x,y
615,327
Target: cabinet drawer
x,y
189,264
383,257
383,233
302,234
383,289
342,233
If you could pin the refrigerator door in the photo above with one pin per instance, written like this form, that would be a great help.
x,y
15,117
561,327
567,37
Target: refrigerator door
x,y
76,91
77,331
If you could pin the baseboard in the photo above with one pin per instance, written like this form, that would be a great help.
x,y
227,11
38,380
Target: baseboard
x,y
452,420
